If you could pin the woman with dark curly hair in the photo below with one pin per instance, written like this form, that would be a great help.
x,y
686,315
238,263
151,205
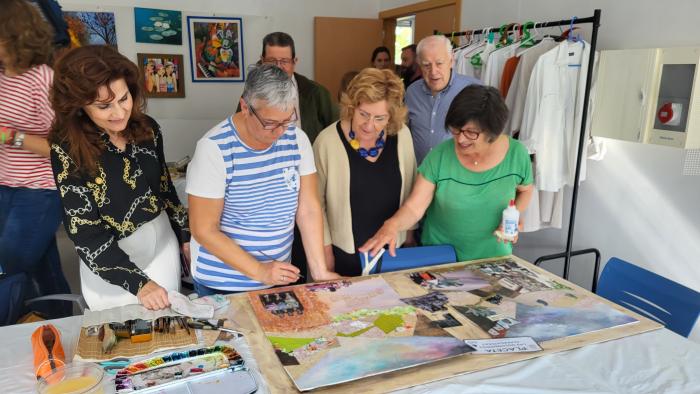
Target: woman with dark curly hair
x,y
466,182
365,164
121,209
30,207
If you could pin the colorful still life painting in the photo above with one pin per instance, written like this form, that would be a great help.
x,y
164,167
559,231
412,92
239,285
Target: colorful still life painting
x,y
155,26
90,28
216,49
335,332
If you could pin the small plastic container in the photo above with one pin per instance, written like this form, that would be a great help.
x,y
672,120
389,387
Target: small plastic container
x,y
511,217
73,379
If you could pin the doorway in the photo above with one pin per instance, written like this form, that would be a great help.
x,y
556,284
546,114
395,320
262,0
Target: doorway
x,y
418,21
404,35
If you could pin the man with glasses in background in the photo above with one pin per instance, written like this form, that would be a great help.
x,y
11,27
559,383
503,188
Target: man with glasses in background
x,y
251,178
428,100
313,103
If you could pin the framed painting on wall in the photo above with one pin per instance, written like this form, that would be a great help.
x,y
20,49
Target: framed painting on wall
x,y
162,74
90,28
216,49
155,26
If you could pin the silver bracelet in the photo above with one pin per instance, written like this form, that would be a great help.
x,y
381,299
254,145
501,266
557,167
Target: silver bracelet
x,y
18,141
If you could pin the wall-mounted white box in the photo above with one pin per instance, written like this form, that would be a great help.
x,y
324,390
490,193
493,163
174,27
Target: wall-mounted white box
x,y
649,95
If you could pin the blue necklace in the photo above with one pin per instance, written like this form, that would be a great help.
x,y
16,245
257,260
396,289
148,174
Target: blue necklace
x,y
371,152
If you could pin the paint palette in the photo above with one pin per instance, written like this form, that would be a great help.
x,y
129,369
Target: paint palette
x,y
178,368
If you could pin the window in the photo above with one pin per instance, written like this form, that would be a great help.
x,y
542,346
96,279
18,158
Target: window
x,y
404,35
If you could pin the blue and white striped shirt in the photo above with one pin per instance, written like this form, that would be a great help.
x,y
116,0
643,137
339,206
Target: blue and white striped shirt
x,y
260,189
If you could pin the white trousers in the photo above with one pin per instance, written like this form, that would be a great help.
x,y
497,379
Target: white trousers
x,y
153,247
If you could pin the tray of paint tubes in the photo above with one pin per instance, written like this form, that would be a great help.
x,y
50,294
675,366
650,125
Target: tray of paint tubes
x,y
212,369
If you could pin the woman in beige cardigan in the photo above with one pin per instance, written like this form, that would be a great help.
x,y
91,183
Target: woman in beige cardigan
x,y
366,166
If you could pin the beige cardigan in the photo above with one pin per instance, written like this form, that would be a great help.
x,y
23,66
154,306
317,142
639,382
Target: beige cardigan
x,y
334,184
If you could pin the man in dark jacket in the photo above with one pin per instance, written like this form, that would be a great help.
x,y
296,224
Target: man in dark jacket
x,y
314,105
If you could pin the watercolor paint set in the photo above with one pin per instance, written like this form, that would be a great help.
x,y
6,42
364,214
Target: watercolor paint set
x,y
216,365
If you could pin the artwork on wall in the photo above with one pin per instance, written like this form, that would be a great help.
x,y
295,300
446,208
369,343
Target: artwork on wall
x,y
216,49
335,332
162,74
154,26
90,28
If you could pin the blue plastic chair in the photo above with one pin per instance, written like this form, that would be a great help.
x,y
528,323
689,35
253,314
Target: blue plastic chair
x,y
420,256
651,295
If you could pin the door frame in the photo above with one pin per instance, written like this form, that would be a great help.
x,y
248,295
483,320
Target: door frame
x,y
391,14
422,6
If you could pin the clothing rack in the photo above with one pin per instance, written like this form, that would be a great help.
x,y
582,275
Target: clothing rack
x,y
568,252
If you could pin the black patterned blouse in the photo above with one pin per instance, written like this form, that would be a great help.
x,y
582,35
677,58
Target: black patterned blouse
x,y
130,188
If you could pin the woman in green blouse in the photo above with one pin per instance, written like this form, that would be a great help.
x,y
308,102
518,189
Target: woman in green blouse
x,y
464,184
120,207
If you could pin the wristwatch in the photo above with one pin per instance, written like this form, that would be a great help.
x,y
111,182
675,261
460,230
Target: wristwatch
x,y
18,141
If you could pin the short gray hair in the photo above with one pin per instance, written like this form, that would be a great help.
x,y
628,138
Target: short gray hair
x,y
271,84
434,40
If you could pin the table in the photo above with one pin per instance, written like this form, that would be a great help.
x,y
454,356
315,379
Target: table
x,y
657,361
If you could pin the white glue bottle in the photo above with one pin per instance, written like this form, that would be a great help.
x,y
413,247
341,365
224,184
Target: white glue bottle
x,y
511,217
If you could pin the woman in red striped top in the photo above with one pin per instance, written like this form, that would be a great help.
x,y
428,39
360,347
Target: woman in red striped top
x,y
30,206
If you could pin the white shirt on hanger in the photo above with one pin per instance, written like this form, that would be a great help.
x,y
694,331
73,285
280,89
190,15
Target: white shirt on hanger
x,y
484,56
515,99
545,209
463,59
493,71
553,113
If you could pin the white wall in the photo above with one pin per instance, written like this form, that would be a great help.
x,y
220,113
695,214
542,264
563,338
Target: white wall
x,y
206,104
389,4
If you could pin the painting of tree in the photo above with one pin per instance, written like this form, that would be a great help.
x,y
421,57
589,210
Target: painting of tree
x,y
91,28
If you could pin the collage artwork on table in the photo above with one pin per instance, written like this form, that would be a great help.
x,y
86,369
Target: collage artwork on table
x,y
335,332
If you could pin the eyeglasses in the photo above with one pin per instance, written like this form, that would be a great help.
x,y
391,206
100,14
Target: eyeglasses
x,y
278,62
378,119
467,133
272,125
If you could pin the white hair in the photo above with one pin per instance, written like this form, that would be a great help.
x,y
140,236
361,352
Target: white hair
x,y
434,41
271,84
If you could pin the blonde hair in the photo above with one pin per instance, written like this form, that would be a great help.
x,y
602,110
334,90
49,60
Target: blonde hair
x,y
27,37
372,85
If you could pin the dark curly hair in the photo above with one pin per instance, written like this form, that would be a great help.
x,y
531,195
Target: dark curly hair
x,y
78,76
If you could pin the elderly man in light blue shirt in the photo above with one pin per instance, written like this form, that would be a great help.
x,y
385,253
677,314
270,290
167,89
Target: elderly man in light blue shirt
x,y
429,99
